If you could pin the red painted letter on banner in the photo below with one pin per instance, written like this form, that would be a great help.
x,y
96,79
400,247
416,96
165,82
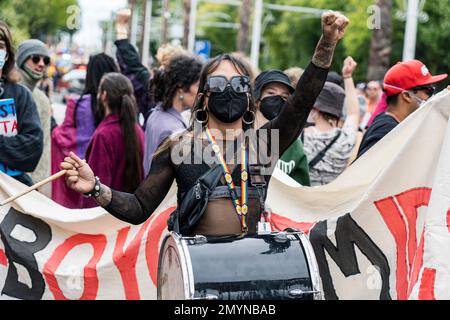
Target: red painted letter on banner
x,y
98,243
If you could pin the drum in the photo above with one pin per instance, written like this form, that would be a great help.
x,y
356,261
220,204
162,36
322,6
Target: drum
x,y
261,267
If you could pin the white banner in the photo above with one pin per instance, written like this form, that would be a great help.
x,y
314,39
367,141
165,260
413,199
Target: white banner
x,y
380,231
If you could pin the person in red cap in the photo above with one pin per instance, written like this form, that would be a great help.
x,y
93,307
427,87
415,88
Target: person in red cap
x,y
407,86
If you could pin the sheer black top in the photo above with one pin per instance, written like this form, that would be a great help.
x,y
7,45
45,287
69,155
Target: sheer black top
x,y
137,208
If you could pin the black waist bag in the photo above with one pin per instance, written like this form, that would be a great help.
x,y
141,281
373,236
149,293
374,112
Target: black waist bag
x,y
192,204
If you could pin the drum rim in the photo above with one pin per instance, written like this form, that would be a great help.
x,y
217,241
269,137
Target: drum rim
x,y
188,274
185,263
313,266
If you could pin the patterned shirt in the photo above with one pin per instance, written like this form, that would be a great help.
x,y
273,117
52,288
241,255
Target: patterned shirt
x,y
336,158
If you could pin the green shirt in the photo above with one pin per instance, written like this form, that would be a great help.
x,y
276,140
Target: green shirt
x,y
295,164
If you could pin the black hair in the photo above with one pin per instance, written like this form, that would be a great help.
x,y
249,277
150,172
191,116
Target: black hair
x,y
330,118
121,101
392,100
181,72
8,71
209,68
199,103
99,65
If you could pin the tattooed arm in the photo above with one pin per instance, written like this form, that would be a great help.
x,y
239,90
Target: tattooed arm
x,y
292,119
333,29
132,208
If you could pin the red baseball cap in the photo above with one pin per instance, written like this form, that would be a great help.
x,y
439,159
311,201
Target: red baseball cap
x,y
407,75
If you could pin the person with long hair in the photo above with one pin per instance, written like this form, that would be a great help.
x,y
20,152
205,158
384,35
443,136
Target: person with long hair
x,y
116,150
21,135
175,89
83,115
210,201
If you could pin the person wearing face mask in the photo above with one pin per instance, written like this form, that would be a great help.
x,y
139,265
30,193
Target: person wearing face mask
x,y
175,89
21,136
220,193
407,86
272,89
33,57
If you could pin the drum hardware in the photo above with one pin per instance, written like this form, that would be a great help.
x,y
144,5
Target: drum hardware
x,y
200,239
264,227
281,237
207,297
277,266
300,293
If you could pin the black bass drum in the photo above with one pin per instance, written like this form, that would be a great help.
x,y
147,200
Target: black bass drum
x,y
263,267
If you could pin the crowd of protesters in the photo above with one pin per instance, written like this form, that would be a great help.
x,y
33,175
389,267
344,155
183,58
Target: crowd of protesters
x,y
102,125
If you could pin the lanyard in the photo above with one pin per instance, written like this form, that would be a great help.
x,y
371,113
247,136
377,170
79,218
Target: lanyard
x,y
241,205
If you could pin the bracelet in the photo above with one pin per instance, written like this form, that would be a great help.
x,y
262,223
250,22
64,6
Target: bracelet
x,y
95,192
345,78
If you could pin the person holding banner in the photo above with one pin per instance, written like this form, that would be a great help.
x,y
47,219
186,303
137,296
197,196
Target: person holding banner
x,y
21,135
407,86
209,202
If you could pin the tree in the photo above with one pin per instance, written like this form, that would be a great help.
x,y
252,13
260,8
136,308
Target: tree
x,y
165,22
37,18
243,38
186,17
381,46
223,39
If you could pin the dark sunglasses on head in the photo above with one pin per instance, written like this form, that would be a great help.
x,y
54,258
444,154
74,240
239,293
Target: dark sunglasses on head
x,y
218,84
430,90
36,59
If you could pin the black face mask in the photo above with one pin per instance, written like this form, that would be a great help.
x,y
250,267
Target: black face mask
x,y
228,106
271,107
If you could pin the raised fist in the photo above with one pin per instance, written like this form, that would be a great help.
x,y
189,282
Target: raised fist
x,y
122,18
348,68
333,26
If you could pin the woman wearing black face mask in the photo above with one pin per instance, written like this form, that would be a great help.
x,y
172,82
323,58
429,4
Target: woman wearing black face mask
x,y
272,89
210,201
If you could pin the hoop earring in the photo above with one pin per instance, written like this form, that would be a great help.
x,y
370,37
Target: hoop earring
x,y
204,118
247,114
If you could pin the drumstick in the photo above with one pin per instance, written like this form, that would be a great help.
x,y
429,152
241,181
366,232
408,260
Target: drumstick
x,y
34,187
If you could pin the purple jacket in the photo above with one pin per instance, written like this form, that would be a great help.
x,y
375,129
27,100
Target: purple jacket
x,y
74,134
85,122
160,126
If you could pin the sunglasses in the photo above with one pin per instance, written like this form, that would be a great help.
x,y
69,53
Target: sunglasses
x,y
36,59
429,90
218,84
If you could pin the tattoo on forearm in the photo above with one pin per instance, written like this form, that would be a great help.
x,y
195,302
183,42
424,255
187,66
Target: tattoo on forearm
x,y
105,196
324,53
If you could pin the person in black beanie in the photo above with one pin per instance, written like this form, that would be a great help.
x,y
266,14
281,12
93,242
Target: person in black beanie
x,y
21,136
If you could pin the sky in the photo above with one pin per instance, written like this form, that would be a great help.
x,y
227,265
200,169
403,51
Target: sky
x,y
93,11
